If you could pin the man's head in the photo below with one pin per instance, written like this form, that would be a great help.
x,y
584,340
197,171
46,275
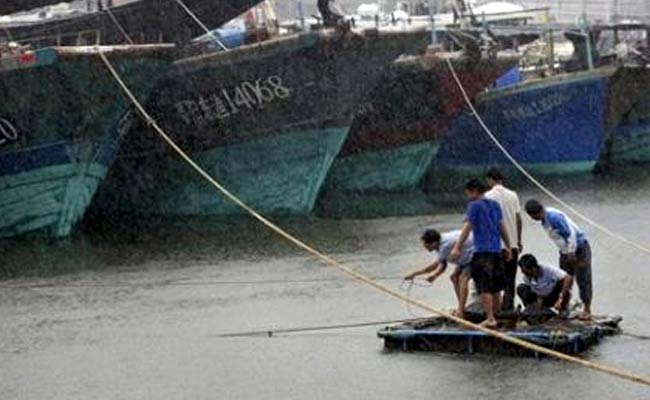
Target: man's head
x,y
494,177
474,189
535,209
529,266
431,240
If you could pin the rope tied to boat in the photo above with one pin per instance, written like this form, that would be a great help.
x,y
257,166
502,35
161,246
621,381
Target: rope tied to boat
x,y
349,271
201,24
118,25
534,180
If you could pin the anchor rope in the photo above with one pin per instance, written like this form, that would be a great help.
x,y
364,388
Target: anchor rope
x,y
351,272
534,180
201,24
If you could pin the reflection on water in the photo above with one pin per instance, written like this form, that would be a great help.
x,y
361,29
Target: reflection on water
x,y
133,313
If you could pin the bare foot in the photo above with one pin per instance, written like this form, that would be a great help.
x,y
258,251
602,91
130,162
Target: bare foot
x,y
458,313
490,324
584,316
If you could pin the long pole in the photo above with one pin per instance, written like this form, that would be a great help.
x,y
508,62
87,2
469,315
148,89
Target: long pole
x,y
432,17
585,30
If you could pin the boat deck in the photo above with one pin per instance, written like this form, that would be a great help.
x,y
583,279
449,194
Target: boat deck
x,y
570,336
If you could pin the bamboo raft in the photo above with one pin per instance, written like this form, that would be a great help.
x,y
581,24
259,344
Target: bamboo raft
x,y
569,336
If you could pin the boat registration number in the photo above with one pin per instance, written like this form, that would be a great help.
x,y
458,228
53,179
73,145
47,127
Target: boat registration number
x,y
224,103
8,133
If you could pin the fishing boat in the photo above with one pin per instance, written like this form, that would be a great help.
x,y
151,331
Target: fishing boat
x,y
555,125
629,141
60,126
394,139
569,336
137,21
266,119
629,144
551,126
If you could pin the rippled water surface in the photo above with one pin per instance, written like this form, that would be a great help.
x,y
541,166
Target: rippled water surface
x,y
119,315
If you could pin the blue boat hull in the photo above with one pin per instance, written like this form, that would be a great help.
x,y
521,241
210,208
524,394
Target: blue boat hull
x,y
557,126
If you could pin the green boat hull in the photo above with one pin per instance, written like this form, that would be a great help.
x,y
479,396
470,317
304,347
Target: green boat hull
x,y
394,169
280,175
632,148
50,200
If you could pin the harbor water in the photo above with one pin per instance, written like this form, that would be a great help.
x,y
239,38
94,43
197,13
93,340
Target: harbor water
x,y
117,315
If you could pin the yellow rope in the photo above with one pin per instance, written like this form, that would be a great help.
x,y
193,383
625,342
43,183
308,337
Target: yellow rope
x,y
531,178
350,271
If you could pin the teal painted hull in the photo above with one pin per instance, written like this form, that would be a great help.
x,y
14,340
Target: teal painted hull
x,y
395,169
50,200
631,148
281,175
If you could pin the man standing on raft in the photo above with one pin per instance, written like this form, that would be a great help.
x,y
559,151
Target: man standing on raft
x,y
484,220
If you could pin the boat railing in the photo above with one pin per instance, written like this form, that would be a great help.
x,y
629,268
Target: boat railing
x,y
81,38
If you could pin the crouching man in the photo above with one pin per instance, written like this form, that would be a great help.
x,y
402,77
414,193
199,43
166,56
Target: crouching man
x,y
433,241
544,286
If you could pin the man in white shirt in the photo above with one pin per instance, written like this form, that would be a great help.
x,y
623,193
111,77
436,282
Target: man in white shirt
x,y
511,209
544,286
432,241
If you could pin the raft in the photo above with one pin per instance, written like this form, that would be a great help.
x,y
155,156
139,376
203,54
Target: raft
x,y
569,336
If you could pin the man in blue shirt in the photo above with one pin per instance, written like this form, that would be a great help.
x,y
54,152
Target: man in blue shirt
x,y
484,220
432,241
575,252
544,286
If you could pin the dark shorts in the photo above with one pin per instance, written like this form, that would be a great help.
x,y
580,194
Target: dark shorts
x,y
528,297
488,272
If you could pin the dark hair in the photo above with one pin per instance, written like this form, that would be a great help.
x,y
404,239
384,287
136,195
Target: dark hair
x,y
528,261
494,173
534,207
475,184
430,236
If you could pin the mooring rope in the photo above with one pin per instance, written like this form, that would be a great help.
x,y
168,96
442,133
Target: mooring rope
x,y
201,24
118,25
534,180
354,274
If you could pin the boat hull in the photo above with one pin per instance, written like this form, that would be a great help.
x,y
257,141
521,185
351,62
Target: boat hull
x,y
556,126
629,140
630,144
279,174
60,117
397,136
49,200
145,21
394,169
237,111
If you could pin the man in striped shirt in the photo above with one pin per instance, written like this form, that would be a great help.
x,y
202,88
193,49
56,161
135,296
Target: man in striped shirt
x,y
575,252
